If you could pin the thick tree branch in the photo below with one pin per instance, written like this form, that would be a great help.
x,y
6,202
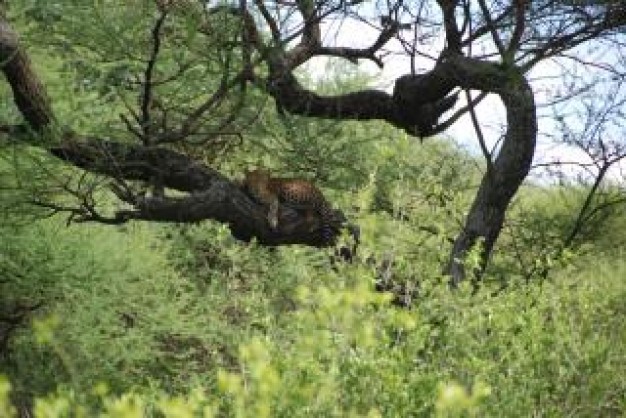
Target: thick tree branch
x,y
416,105
28,92
453,35
499,185
137,163
211,195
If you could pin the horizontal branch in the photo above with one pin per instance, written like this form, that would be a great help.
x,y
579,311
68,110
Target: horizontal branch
x,y
210,194
417,103
415,113
132,162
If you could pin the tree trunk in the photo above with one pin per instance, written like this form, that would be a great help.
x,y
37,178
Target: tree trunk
x,y
409,108
501,182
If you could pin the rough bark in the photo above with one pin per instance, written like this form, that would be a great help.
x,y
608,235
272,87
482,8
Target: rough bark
x,y
417,113
499,184
28,92
210,194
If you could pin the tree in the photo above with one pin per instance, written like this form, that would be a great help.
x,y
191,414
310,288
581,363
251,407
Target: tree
x,y
269,41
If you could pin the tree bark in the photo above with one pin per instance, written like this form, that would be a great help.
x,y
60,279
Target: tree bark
x,y
210,195
499,184
29,94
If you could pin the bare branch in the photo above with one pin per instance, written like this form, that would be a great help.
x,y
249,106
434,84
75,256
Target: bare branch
x,y
612,17
491,26
479,132
518,31
453,35
457,115
271,23
497,23
146,100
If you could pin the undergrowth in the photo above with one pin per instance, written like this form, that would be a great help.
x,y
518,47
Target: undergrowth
x,y
246,331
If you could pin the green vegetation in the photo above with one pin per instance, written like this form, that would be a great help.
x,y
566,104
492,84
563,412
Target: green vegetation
x,y
146,318
182,320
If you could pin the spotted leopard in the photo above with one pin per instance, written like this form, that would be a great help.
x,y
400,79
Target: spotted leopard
x,y
299,194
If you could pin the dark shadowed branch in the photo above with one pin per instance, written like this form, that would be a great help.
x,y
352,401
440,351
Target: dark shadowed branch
x,y
209,194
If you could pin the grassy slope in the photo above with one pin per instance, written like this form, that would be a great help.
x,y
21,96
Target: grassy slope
x,y
137,310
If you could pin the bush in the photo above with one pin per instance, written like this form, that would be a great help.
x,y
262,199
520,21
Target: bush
x,y
342,349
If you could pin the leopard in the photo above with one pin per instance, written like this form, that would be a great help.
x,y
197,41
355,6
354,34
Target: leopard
x,y
299,194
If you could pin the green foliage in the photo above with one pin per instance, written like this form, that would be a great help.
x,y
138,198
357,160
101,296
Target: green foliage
x,y
6,409
182,320
93,61
344,351
537,237
188,319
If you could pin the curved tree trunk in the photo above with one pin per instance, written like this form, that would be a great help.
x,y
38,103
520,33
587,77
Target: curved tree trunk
x,y
501,181
408,109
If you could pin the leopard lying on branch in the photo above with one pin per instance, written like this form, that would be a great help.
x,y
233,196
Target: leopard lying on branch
x,y
298,194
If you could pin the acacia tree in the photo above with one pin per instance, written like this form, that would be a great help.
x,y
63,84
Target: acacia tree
x,y
488,46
